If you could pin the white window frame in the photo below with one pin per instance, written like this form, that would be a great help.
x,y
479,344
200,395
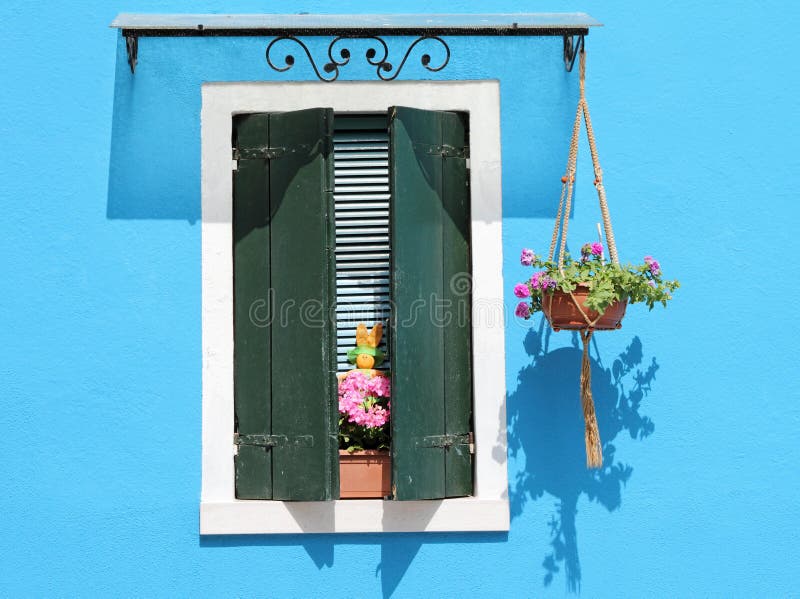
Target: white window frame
x,y
487,509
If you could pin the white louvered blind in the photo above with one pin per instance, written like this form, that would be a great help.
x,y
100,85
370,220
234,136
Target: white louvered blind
x,y
361,194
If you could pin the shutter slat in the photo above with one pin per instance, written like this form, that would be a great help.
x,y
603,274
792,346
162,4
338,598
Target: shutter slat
x,y
357,227
359,136
371,179
367,154
362,197
357,188
362,220
349,278
345,215
345,163
360,149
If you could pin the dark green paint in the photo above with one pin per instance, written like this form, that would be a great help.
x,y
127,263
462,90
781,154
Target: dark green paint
x,y
457,293
251,283
284,366
430,353
302,271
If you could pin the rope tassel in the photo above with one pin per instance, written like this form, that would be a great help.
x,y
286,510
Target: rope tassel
x,y
594,448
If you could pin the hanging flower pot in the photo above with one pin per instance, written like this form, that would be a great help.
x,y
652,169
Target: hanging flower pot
x,y
569,311
590,293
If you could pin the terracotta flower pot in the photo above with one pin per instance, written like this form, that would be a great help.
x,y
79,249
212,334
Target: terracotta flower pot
x,y
365,474
562,312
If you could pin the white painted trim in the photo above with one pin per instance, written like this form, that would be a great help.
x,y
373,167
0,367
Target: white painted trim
x,y
220,512
349,515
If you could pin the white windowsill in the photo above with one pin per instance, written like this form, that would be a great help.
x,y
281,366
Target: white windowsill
x,y
352,515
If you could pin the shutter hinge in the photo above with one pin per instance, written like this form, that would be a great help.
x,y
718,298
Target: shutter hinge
x,y
274,440
447,441
444,150
268,153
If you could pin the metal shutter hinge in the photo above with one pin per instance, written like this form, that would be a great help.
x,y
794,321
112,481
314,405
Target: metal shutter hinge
x,y
274,440
268,153
444,150
446,441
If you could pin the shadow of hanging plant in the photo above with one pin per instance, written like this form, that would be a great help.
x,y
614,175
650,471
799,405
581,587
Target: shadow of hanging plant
x,y
546,425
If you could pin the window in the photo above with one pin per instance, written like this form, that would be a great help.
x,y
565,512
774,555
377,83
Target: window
x,y
487,508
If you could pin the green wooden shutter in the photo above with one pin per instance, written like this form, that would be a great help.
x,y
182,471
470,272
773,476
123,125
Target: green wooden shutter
x,y
285,397
431,344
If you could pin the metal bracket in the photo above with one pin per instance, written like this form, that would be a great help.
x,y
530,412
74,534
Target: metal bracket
x,y
269,441
571,50
132,46
441,150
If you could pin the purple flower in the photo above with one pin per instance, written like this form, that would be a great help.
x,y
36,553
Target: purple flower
x,y
651,283
523,310
655,267
540,280
527,257
522,290
597,249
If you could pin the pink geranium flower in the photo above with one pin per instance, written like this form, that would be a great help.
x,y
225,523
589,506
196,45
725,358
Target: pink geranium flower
x,y
527,257
523,310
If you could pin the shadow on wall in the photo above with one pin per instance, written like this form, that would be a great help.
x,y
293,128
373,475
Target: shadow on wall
x,y
154,167
398,550
546,425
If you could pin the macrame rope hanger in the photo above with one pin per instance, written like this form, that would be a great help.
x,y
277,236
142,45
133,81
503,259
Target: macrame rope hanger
x,y
594,448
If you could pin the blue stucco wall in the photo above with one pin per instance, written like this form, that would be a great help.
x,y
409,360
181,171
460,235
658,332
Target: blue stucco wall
x,y
100,364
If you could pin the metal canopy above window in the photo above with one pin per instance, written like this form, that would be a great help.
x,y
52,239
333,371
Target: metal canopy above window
x,y
426,28
463,24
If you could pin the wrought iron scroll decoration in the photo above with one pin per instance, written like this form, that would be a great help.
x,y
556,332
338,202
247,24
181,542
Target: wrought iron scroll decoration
x,y
377,56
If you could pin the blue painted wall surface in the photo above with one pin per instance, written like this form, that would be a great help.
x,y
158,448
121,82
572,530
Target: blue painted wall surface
x,y
695,110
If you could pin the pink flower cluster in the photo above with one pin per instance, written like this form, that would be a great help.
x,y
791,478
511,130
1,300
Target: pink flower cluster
x,y
527,257
523,310
522,290
591,249
357,399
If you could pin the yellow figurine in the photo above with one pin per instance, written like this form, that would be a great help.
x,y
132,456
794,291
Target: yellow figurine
x,y
366,354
